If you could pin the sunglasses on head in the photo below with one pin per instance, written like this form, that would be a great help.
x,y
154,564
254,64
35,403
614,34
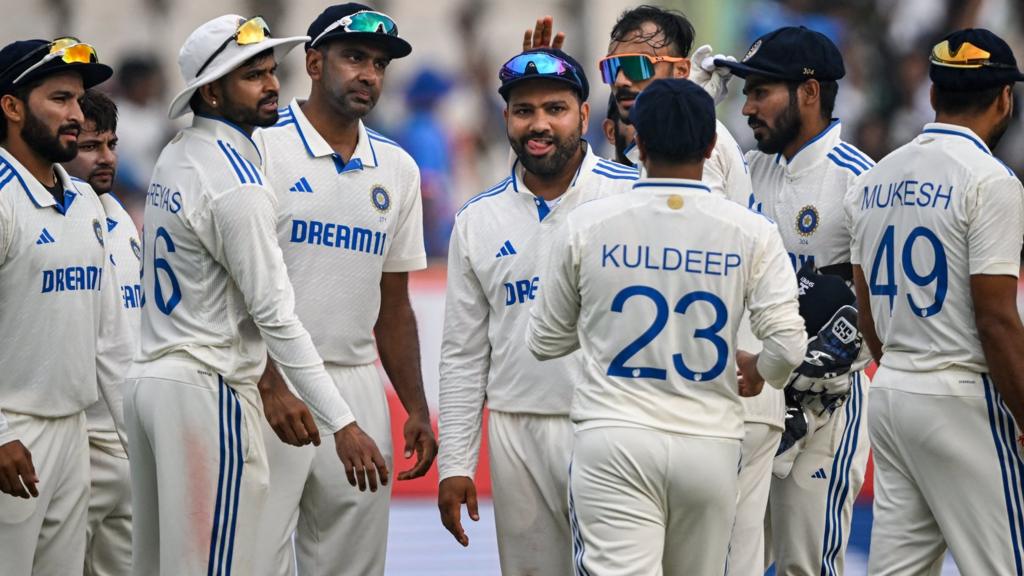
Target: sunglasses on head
x,y
69,49
365,21
636,67
251,31
967,56
537,64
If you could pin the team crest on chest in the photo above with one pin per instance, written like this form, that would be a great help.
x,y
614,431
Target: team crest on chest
x,y
807,220
380,198
97,229
136,248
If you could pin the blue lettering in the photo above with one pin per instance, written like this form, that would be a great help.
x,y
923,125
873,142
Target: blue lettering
x,y
625,257
732,261
299,228
329,234
948,196
713,263
343,234
693,261
316,230
609,254
665,259
361,239
71,279
510,294
47,281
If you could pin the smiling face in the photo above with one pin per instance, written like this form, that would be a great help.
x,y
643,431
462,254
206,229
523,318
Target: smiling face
x,y
351,73
96,162
544,121
647,39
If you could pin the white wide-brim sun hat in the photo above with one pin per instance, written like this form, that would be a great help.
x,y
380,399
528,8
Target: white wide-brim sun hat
x,y
204,41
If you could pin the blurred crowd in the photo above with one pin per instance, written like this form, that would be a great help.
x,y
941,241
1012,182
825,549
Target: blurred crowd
x,y
449,118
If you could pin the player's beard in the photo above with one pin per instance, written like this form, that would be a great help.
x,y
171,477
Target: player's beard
x,y
249,115
787,128
555,161
621,143
47,144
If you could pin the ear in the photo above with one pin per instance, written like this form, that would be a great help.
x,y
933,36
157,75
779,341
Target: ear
x,y
711,147
314,64
585,115
1005,101
505,113
681,69
210,93
12,108
608,127
809,94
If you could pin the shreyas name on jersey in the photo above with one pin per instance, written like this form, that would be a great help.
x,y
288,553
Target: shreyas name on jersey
x,y
907,193
351,238
668,259
72,279
162,197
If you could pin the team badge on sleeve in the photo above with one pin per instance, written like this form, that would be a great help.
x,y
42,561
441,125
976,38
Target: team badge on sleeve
x,y
136,248
380,198
97,228
807,220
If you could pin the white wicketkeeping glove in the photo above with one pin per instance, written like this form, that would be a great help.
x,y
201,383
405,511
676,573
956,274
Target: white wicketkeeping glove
x,y
713,79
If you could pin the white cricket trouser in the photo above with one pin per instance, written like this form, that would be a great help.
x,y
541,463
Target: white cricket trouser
x,y
746,548
529,456
811,509
338,529
199,470
108,550
46,535
948,471
651,503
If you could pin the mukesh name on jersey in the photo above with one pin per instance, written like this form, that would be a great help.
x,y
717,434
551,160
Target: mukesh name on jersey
x,y
911,193
669,259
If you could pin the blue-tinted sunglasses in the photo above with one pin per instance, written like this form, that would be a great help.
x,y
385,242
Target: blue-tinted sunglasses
x,y
537,64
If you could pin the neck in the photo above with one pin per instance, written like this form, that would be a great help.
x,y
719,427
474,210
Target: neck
x,y
40,168
340,132
690,171
977,124
808,131
247,128
551,187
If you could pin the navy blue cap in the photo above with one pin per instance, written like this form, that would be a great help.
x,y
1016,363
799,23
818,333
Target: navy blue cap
x,y
972,59
791,53
521,67
19,56
397,47
674,117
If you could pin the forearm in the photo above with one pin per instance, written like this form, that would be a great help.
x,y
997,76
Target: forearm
x,y
783,351
399,348
1002,340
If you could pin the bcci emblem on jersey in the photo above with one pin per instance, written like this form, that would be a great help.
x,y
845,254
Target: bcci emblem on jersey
x,y
136,248
807,220
98,230
380,198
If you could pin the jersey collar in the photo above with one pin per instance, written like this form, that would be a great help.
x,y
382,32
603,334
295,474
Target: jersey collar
x,y
223,129
673,185
942,130
12,171
814,151
589,162
364,154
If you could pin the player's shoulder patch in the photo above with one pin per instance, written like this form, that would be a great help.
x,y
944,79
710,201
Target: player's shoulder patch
x,y
245,171
489,193
615,171
849,158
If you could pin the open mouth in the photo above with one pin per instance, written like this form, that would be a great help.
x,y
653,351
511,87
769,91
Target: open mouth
x,y
539,146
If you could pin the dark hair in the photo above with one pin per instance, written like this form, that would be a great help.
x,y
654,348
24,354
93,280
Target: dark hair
x,y
21,93
965,102
675,120
672,24
828,90
196,101
99,109
613,108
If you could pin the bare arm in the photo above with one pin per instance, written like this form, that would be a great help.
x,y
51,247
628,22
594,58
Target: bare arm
x,y
1002,336
399,348
865,321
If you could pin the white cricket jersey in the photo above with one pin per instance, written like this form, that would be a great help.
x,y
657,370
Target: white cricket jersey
x,y
725,173
56,297
805,196
496,257
340,226
125,255
651,286
932,214
214,280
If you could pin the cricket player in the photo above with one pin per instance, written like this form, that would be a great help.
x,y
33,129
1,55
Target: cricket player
x,y
651,286
58,307
351,229
495,272
109,532
617,132
800,171
937,228
216,290
647,43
